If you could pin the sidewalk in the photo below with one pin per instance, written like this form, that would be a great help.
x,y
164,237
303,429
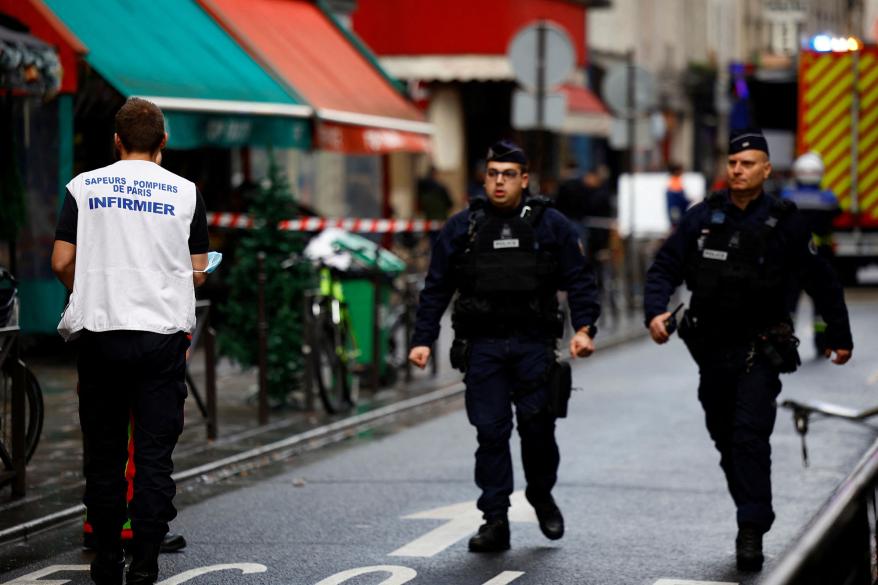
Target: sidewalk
x,y
54,474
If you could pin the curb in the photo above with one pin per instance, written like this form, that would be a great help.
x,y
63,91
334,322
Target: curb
x,y
310,440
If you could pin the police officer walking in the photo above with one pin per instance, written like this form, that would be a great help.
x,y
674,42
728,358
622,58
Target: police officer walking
x,y
739,252
130,242
506,256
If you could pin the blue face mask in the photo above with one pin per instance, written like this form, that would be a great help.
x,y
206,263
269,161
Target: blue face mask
x,y
213,260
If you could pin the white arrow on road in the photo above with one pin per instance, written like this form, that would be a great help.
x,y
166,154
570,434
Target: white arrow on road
x,y
463,520
245,568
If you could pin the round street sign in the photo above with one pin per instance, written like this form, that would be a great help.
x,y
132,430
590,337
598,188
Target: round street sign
x,y
559,58
615,90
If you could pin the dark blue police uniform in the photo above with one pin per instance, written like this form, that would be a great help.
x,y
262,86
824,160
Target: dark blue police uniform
x,y
739,265
507,271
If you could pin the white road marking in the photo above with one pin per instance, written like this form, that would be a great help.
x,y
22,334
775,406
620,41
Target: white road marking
x,y
463,520
505,577
35,577
398,575
245,568
685,582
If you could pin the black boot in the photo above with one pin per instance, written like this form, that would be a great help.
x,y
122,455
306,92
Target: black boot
x,y
108,565
493,536
144,568
172,542
548,514
748,548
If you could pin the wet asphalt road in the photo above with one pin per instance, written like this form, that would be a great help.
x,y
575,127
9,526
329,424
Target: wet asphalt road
x,y
640,488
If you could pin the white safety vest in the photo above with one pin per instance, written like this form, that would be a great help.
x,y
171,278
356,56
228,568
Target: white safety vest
x,y
133,267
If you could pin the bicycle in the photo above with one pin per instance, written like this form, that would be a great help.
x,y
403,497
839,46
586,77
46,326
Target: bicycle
x,y
400,322
329,344
34,411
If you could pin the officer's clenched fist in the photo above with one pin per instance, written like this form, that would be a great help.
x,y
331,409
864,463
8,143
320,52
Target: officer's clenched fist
x,y
419,356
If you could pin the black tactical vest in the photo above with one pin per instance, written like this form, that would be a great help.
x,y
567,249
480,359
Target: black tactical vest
x,y
506,282
737,273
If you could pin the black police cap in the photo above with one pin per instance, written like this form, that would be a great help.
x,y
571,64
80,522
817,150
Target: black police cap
x,y
748,139
506,151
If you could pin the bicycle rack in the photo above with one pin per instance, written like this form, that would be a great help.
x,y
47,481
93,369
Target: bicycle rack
x,y
10,349
802,412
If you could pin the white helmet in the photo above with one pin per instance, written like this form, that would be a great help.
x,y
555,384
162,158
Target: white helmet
x,y
809,168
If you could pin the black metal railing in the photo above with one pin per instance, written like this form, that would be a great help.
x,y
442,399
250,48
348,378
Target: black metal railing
x,y
204,334
839,545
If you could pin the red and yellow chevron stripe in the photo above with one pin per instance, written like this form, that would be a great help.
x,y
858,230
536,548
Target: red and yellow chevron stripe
x,y
867,145
826,107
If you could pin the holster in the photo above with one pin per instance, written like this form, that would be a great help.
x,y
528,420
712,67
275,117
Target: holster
x,y
560,385
691,336
779,346
459,354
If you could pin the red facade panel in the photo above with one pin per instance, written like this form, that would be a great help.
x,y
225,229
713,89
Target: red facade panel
x,y
460,27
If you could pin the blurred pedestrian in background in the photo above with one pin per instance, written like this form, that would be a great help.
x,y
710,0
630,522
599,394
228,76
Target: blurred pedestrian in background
x,y
476,187
740,252
819,207
675,195
434,201
572,199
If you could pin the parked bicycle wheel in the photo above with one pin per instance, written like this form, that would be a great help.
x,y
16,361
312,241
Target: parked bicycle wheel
x,y
33,414
329,368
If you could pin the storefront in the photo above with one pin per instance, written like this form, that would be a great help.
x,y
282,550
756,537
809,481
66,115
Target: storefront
x,y
39,81
453,55
218,102
367,135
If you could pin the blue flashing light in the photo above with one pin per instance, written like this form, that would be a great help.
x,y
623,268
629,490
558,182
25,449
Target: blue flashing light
x,y
828,44
822,43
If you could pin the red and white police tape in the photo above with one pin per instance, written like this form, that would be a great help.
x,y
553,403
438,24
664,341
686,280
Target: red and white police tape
x,y
316,224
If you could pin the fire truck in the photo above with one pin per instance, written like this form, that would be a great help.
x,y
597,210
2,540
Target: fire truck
x,y
838,118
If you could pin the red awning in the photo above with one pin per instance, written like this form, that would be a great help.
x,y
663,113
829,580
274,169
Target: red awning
x,y
358,109
360,140
582,100
586,113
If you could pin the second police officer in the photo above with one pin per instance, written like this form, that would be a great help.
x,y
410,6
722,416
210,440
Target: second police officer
x,y
739,252
507,256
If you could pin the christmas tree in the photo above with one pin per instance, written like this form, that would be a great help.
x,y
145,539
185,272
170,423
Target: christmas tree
x,y
284,290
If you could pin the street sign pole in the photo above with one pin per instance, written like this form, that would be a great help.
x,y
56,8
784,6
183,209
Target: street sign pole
x,y
542,57
541,106
632,168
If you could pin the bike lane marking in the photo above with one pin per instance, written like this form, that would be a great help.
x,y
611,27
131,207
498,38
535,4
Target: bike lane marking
x,y
245,568
685,582
463,520
36,578
398,575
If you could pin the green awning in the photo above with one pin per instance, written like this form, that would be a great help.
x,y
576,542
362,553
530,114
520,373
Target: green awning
x,y
173,53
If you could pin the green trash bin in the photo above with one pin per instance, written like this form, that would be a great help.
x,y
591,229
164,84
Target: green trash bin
x,y
359,281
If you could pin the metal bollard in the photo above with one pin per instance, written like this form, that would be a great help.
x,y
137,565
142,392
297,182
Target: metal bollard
x,y
210,381
262,333
308,350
